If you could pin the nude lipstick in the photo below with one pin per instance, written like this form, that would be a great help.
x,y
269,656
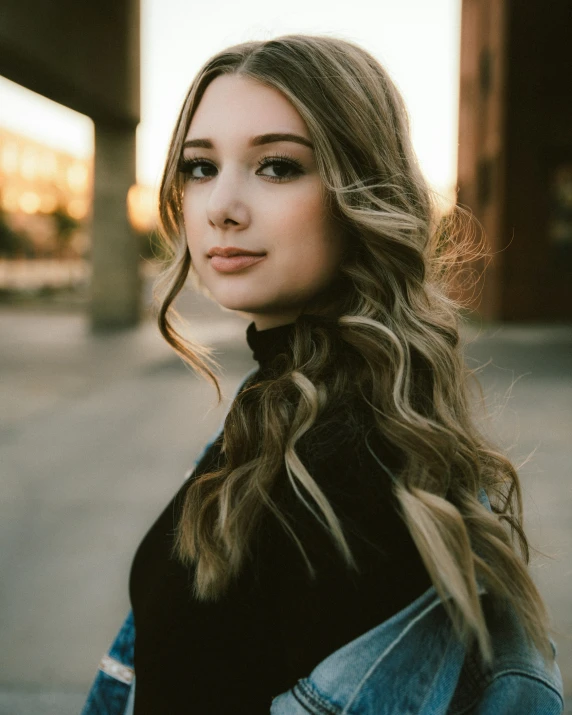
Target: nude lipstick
x,y
231,259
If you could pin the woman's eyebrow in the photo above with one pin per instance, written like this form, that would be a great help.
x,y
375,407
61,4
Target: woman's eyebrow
x,y
255,141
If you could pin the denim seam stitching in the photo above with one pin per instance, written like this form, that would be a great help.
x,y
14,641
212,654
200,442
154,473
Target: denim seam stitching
x,y
309,692
530,676
299,700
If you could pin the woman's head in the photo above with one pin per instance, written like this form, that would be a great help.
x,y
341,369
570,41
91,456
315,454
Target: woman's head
x,y
251,182
356,171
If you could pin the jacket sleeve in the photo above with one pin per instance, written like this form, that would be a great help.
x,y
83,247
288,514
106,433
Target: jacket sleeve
x,y
112,690
519,680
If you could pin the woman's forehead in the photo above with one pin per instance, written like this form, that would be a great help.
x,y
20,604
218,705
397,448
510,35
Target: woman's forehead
x,y
243,107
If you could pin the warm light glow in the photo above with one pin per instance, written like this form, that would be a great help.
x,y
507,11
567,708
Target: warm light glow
x,y
141,202
29,164
49,203
78,208
10,201
77,177
43,179
49,165
445,200
29,202
10,158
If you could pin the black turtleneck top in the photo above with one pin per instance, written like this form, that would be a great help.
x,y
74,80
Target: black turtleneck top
x,y
275,623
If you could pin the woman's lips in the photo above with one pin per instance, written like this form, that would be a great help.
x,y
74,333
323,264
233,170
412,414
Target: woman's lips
x,y
234,263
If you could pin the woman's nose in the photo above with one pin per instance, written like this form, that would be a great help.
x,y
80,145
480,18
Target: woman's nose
x,y
226,204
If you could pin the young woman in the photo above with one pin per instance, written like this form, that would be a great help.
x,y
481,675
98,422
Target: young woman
x,y
340,545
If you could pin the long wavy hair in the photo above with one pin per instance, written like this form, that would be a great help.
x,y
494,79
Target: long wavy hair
x,y
387,330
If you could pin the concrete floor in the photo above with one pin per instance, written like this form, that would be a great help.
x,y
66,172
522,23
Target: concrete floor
x,y
96,434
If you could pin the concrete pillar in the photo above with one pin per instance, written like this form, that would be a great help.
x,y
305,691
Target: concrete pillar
x,y
115,285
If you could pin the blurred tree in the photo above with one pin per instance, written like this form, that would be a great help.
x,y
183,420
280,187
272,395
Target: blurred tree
x,y
13,244
66,226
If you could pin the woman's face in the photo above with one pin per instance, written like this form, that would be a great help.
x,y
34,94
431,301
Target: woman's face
x,y
249,188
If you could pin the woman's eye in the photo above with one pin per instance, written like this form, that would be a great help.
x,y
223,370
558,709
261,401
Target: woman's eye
x,y
196,169
282,169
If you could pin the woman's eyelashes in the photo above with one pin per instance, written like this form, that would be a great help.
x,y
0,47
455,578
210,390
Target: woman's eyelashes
x,y
284,168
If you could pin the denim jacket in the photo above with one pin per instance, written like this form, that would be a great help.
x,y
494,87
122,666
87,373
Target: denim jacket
x,y
412,663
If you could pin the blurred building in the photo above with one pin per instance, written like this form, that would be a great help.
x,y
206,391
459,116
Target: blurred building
x,y
45,192
515,153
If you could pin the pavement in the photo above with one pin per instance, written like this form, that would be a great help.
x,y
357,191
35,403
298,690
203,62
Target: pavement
x,y
97,432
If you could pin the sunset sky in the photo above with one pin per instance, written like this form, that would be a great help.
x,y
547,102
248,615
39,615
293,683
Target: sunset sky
x,y
416,40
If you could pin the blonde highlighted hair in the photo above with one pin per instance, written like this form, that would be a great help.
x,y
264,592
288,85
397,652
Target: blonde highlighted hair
x,y
386,330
